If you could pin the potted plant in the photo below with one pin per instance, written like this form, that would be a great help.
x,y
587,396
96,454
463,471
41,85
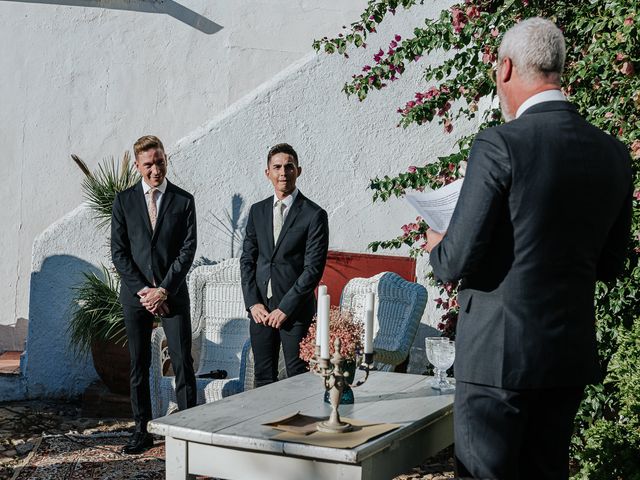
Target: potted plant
x,y
350,331
97,326
97,322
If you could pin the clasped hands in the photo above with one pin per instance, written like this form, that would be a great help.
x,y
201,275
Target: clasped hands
x,y
154,300
274,319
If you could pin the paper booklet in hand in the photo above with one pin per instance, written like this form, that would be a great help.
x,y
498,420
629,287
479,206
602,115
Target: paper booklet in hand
x,y
437,206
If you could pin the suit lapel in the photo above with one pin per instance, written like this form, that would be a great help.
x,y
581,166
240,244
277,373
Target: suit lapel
x,y
291,216
167,198
268,223
141,202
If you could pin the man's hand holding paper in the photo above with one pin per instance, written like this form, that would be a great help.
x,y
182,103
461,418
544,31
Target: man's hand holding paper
x,y
437,206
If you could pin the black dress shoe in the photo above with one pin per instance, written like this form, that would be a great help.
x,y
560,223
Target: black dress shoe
x,y
138,443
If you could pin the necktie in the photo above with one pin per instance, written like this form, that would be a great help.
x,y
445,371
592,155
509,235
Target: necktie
x,y
153,207
278,220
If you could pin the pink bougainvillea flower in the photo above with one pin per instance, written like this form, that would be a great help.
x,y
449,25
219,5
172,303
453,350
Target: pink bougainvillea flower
x,y
412,169
495,32
628,21
635,150
620,57
473,12
448,126
378,56
457,19
627,69
397,38
366,68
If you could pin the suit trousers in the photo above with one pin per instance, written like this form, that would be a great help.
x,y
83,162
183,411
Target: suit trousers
x,y
265,343
177,328
514,434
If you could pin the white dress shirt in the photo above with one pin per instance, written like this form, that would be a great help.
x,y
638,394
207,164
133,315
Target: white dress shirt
x,y
546,96
161,189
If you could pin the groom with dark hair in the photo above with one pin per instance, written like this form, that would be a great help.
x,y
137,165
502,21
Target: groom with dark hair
x,y
283,257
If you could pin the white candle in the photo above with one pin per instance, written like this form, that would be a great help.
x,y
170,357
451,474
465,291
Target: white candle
x,y
368,323
322,290
324,326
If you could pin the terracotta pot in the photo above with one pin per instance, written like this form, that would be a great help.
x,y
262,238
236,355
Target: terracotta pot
x,y
111,361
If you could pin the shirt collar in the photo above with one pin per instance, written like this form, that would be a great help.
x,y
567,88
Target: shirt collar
x,y
161,188
546,96
288,200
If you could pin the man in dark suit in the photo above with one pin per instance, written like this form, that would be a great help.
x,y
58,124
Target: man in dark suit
x,y
153,243
283,257
544,212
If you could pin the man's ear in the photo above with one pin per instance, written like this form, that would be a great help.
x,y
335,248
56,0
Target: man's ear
x,y
266,172
507,70
299,171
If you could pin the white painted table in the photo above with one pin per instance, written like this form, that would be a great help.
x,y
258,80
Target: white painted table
x,y
225,439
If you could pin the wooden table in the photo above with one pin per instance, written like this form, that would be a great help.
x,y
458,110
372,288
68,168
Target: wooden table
x,y
225,439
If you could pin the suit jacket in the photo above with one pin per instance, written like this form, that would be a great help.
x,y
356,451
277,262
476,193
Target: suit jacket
x,y
544,211
294,264
163,256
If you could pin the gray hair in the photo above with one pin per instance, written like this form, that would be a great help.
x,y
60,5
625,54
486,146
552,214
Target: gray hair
x,y
537,49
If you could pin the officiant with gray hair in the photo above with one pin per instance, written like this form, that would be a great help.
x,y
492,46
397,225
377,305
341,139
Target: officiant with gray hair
x,y
544,212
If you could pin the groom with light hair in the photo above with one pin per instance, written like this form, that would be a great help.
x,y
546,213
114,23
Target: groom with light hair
x,y
544,212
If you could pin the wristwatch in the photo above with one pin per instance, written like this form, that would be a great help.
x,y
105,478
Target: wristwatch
x,y
164,293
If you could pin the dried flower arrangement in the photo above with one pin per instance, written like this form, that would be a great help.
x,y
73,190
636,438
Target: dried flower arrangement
x,y
342,325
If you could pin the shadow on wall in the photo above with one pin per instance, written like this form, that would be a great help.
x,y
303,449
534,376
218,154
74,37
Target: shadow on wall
x,y
231,225
168,7
50,368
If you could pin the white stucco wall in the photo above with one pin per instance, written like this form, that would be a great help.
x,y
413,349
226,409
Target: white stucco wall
x,y
91,80
342,143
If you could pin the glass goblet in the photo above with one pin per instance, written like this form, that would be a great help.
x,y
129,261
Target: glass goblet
x,y
428,343
444,353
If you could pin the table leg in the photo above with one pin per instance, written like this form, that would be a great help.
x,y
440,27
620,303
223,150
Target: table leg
x,y
176,460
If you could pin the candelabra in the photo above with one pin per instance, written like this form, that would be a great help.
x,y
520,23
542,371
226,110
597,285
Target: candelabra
x,y
334,378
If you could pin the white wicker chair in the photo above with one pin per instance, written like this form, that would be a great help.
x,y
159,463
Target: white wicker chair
x,y
220,327
398,310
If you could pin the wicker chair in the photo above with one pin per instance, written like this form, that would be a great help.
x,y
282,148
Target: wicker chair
x,y
398,310
220,327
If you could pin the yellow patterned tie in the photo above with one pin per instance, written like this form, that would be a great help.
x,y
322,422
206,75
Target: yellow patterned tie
x,y
153,207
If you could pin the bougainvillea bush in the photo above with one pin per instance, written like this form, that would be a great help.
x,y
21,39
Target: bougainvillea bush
x,y
601,80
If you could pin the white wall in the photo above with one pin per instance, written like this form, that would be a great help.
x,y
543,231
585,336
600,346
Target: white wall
x,y
342,143
91,80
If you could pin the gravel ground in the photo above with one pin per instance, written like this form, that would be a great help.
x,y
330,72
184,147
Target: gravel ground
x,y
23,423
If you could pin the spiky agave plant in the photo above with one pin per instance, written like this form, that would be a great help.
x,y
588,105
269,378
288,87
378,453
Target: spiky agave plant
x,y
100,187
97,313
